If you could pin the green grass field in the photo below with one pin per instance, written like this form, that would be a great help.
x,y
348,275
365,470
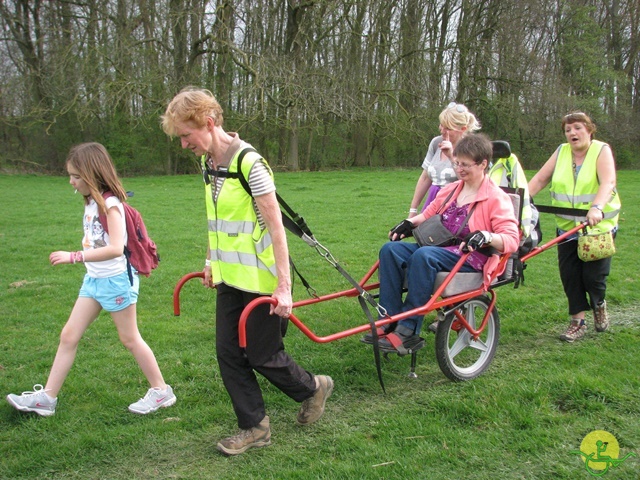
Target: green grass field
x,y
523,419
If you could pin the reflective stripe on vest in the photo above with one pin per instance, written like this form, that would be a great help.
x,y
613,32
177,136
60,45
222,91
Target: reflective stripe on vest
x,y
235,228
581,192
241,252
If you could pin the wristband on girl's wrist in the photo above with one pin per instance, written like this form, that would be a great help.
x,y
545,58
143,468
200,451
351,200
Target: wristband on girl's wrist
x,y
207,262
76,257
413,210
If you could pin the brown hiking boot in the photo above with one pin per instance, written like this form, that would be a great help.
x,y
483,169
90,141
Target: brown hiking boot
x,y
601,317
577,329
258,436
313,407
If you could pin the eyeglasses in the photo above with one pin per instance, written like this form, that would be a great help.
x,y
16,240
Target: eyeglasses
x,y
463,166
458,106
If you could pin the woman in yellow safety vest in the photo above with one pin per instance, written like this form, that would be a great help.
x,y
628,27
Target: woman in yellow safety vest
x,y
582,175
247,258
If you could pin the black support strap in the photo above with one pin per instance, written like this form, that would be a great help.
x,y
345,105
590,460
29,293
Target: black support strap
x,y
576,212
296,224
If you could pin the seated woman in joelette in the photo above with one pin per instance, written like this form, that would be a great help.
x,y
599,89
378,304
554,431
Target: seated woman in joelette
x,y
492,223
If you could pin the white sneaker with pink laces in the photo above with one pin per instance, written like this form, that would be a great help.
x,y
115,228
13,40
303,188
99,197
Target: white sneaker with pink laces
x,y
37,401
153,400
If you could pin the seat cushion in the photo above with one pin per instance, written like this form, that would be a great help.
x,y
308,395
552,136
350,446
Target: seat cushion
x,y
461,283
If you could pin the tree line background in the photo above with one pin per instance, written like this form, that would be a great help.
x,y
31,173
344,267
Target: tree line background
x,y
313,84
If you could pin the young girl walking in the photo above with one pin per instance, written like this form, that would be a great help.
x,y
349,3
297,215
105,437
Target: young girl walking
x,y
106,285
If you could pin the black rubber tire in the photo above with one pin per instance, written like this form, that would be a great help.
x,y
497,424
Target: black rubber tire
x,y
459,356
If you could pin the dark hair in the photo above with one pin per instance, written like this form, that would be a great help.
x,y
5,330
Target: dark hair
x,y
579,117
475,146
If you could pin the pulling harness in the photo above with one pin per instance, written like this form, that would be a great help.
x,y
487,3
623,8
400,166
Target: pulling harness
x,y
296,224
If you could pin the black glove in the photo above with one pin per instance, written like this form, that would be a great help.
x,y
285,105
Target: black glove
x,y
475,240
402,230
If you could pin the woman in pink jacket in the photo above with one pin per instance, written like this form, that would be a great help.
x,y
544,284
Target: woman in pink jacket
x,y
492,223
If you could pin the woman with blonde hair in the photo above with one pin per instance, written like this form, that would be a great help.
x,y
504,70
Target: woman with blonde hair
x,y
437,171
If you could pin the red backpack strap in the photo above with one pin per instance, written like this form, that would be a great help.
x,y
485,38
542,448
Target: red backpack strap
x,y
105,225
102,218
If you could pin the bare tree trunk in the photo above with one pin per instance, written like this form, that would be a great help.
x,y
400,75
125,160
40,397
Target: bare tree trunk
x,y
26,30
294,141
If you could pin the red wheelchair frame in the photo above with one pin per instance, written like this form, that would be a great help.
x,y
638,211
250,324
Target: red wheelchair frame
x,y
468,328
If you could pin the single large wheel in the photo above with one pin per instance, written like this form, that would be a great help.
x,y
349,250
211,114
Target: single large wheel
x,y
460,356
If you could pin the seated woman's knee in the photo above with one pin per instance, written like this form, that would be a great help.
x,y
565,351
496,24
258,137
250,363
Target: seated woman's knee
x,y
387,248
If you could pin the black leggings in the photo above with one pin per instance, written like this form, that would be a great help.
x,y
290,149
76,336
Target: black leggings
x,y
265,354
580,279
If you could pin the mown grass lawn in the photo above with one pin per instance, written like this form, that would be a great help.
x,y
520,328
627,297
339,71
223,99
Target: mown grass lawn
x,y
522,419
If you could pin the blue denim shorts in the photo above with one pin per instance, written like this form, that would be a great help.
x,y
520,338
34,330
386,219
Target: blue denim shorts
x,y
112,293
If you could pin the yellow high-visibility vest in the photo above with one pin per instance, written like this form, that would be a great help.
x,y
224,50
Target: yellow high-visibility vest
x,y
580,191
241,251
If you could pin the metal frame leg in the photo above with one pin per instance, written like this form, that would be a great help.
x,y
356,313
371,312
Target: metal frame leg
x,y
414,360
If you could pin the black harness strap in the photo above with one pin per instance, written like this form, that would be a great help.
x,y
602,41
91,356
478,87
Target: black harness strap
x,y
297,225
576,212
310,290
